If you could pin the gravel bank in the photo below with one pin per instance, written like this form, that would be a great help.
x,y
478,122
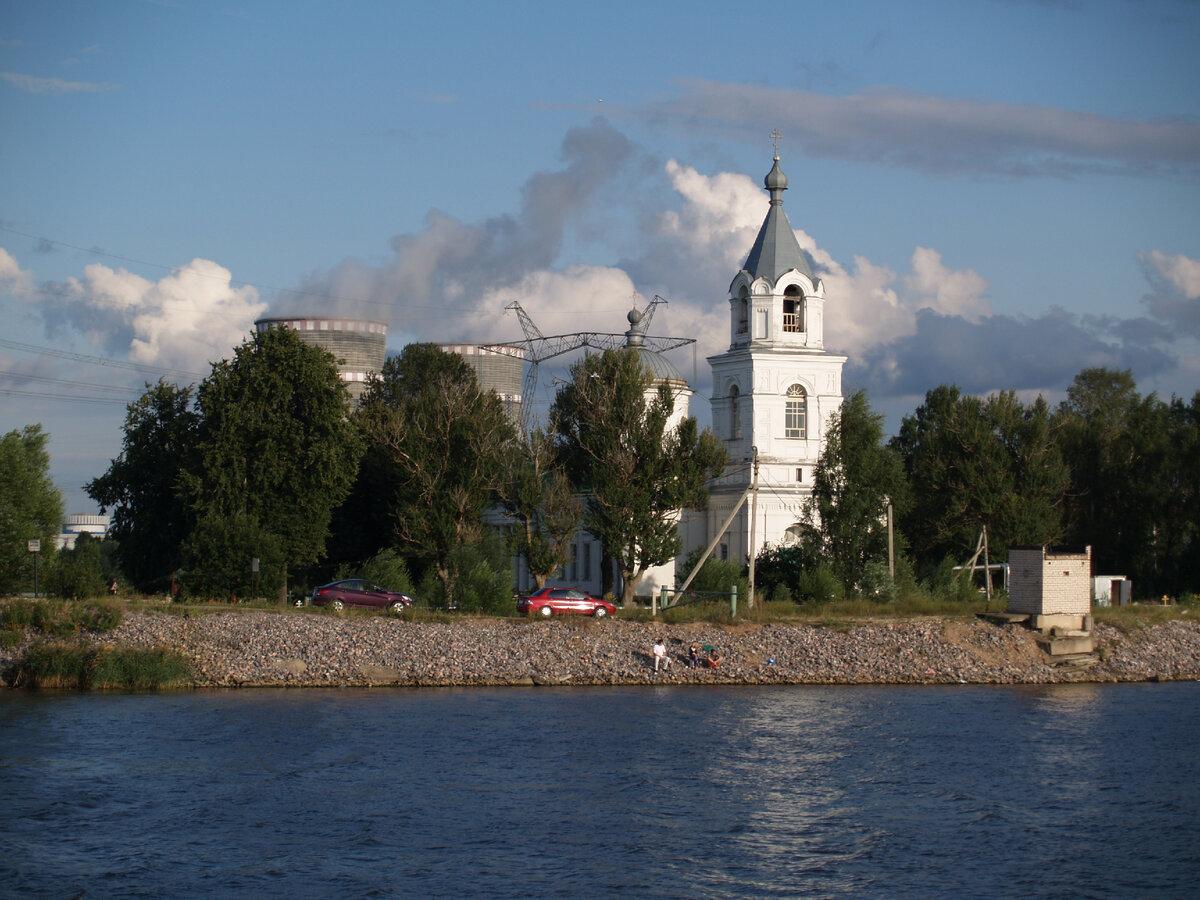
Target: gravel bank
x,y
260,649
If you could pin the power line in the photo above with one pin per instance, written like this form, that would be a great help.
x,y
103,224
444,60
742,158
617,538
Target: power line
x,y
101,361
73,398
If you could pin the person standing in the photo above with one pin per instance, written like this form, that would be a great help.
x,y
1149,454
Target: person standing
x,y
694,655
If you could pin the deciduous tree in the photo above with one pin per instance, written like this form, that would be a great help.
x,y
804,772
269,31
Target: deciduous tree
x,y
276,445
142,485
636,473
31,506
440,443
856,476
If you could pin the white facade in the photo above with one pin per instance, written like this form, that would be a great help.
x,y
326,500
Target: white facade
x,y
774,389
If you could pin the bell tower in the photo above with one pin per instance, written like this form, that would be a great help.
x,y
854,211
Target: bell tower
x,y
776,386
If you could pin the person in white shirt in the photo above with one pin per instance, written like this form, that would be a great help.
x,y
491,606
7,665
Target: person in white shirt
x,y
660,655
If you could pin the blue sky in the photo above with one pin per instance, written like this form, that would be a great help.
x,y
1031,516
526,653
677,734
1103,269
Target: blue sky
x,y
997,193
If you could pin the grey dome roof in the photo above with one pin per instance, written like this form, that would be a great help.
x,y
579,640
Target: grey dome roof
x,y
661,368
776,249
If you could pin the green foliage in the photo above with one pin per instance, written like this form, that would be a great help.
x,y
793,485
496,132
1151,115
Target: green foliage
x,y
218,559
1135,480
636,472
437,449
78,573
854,480
949,586
60,618
483,582
386,568
980,462
275,445
544,507
778,569
81,665
30,506
142,485
714,575
876,583
819,585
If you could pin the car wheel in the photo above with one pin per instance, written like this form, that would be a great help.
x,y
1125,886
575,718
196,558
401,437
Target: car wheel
x,y
398,607
337,604
600,612
546,612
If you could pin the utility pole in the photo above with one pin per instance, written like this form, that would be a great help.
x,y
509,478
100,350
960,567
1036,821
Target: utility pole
x,y
753,520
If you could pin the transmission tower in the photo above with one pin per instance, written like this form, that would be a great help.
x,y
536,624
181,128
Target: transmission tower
x,y
539,348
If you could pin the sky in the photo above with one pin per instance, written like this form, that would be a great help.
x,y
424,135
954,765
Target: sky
x,y
996,194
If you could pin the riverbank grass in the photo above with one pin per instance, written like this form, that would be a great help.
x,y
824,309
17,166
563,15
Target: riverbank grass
x,y
81,666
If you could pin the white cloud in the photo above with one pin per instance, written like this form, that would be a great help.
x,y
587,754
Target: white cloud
x,y
959,292
34,85
1181,272
185,321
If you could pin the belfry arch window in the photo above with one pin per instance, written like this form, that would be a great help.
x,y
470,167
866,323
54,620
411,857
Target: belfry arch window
x,y
743,311
735,414
793,309
795,417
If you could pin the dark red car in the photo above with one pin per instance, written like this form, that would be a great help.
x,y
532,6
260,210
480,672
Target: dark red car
x,y
359,592
547,601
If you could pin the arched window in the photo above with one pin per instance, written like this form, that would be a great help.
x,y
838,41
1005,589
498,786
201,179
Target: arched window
x,y
743,311
735,414
793,309
796,416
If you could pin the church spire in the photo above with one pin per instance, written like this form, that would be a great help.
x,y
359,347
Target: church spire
x,y
776,249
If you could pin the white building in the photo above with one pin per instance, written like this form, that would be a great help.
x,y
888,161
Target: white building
x,y
774,389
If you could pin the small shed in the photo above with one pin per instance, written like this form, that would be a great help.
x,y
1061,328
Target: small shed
x,y
1112,590
1050,581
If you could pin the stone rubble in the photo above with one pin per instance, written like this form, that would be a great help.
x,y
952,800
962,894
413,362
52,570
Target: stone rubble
x,y
262,648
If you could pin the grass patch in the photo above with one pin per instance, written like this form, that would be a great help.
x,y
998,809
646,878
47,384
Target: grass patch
x,y
1139,616
60,618
83,666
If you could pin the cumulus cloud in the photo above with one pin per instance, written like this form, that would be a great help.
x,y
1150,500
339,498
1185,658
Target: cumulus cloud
x,y
34,85
184,321
936,134
1175,297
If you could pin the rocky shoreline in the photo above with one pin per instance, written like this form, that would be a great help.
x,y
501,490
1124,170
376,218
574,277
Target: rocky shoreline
x,y
266,649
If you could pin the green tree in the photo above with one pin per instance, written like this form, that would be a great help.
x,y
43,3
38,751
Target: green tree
x,y
438,448
275,443
974,462
855,478
218,559
142,486
77,573
31,507
637,474
544,507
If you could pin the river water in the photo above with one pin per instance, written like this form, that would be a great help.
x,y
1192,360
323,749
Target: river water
x,y
679,792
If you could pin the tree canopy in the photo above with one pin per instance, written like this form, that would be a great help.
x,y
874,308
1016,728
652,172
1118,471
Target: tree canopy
x,y
855,477
635,472
439,448
141,486
275,444
31,507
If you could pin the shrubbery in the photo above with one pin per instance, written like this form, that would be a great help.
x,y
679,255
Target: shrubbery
x,y
83,666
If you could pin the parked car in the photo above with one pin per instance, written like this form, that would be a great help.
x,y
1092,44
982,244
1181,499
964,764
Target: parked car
x,y
547,601
359,592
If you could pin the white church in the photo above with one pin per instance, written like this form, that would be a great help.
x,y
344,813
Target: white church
x,y
774,392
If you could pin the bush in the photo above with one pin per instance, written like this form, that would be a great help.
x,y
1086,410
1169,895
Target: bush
x,y
877,583
59,618
386,568
820,585
950,586
483,579
715,576
84,666
218,557
775,566
78,573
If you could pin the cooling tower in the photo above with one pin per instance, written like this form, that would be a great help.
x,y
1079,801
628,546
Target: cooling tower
x,y
359,345
499,368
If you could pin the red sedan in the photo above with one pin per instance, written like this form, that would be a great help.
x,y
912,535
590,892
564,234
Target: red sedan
x,y
548,601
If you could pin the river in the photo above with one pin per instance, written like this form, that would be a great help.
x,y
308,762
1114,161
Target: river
x,y
681,792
